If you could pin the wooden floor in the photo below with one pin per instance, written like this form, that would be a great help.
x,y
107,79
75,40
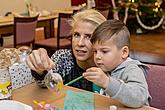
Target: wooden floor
x,y
150,43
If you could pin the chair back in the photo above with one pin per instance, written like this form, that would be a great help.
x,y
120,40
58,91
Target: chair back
x,y
156,84
104,13
105,8
24,30
64,28
155,77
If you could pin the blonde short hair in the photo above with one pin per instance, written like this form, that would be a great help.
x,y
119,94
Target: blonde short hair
x,y
90,15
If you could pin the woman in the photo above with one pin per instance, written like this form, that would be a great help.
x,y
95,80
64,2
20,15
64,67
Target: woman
x,y
71,63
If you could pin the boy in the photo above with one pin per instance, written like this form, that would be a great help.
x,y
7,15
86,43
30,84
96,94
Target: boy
x,y
119,76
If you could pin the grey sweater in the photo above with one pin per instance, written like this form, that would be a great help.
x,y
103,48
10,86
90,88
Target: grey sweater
x,y
128,84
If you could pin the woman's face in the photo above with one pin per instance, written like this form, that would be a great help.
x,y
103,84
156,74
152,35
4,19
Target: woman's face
x,y
81,45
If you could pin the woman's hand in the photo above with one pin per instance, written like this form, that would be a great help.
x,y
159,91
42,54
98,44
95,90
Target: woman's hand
x,y
39,60
97,76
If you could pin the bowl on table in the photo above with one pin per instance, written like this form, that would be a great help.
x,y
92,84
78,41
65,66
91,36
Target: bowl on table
x,y
13,105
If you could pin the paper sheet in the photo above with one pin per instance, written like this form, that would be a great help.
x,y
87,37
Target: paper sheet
x,y
79,101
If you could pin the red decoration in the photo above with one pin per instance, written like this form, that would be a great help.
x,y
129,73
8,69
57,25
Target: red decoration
x,y
77,2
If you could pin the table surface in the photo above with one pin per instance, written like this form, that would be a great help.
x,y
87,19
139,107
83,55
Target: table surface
x,y
32,92
9,19
54,14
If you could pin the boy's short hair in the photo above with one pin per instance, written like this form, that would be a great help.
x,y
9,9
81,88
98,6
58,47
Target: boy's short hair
x,y
112,29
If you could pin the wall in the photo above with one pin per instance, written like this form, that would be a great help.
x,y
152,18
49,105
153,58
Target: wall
x,y
20,7
51,4
12,5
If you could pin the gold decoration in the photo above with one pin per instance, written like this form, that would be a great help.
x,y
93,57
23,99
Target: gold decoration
x,y
9,56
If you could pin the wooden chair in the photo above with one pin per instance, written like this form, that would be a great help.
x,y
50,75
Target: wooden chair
x,y
63,38
24,31
1,41
7,34
155,77
104,11
105,8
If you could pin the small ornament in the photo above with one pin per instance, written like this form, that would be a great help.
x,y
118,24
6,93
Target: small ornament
x,y
45,106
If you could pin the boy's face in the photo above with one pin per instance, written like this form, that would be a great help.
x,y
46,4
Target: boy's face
x,y
107,56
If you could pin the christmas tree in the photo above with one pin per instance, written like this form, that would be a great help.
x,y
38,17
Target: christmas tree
x,y
144,14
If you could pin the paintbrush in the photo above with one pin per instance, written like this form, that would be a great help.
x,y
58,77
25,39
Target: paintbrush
x,y
74,80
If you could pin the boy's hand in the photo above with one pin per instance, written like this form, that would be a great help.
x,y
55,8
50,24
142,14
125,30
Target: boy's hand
x,y
97,76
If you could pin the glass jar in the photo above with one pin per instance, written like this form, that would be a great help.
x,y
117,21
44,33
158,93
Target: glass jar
x,y
5,84
53,81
